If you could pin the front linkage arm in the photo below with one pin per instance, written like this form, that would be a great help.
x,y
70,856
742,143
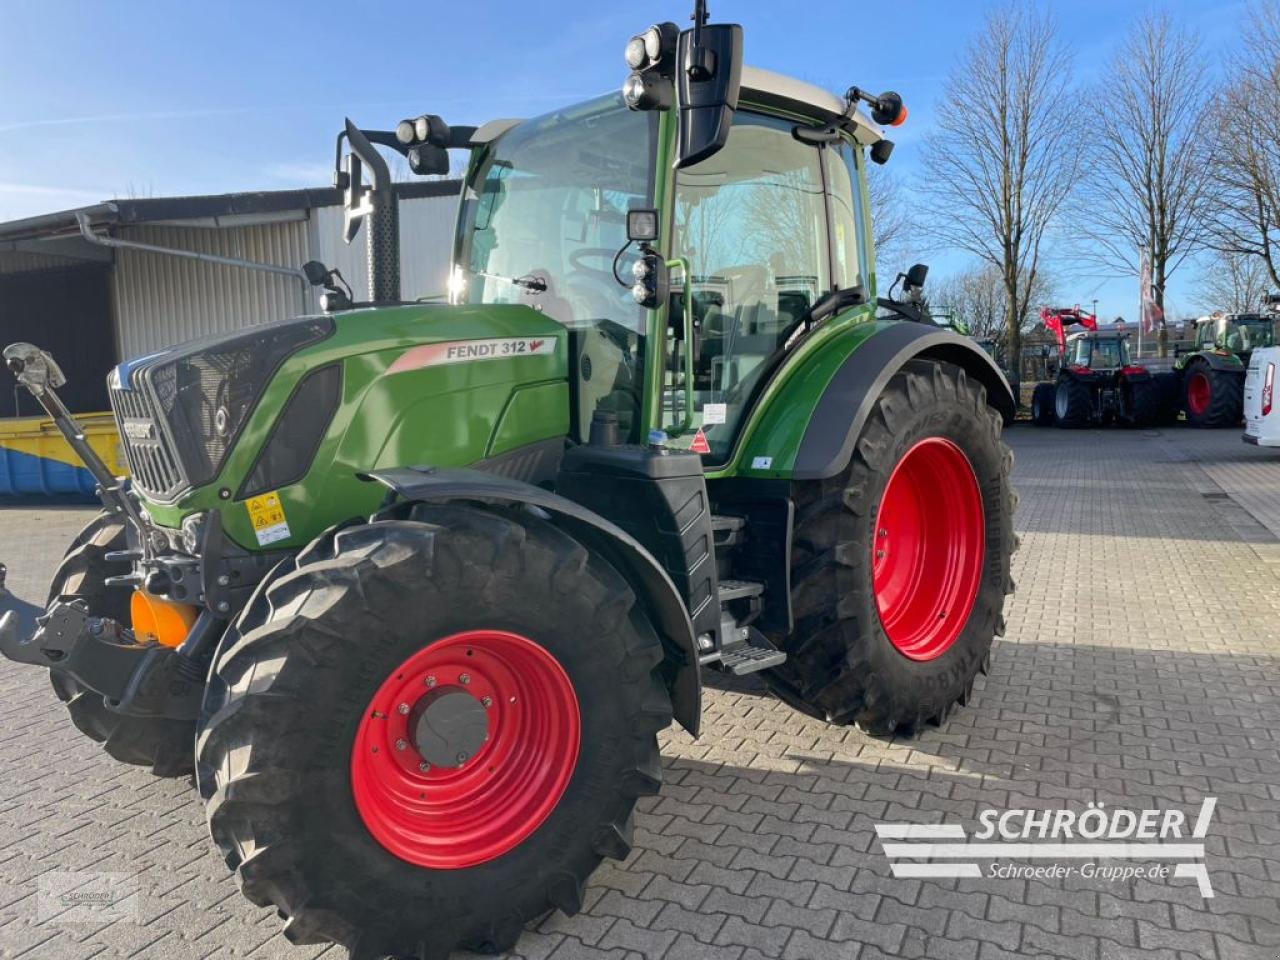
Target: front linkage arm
x,y
38,372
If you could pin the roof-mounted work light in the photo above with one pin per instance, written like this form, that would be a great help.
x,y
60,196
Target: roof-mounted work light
x,y
651,57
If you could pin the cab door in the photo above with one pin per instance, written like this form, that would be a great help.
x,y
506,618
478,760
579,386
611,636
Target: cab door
x,y
753,226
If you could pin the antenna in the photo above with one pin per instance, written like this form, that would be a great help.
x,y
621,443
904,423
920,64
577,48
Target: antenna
x,y
699,62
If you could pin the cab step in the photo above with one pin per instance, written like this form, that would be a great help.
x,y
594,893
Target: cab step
x,y
754,653
739,589
727,531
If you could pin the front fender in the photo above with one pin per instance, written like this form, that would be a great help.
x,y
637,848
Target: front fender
x,y
646,577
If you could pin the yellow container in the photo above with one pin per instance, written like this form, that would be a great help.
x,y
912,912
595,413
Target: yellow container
x,y
36,460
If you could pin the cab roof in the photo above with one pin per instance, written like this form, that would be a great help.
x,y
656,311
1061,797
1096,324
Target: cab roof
x,y
771,89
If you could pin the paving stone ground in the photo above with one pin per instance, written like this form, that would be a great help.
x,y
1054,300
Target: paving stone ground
x,y
1141,669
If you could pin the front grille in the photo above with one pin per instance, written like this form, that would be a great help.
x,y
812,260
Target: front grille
x,y
154,468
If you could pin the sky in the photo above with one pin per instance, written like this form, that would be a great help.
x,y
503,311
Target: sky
x,y
141,99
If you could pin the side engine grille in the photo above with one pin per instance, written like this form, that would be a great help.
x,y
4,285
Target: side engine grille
x,y
151,461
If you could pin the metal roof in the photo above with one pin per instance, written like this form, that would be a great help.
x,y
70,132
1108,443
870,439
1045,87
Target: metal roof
x,y
223,209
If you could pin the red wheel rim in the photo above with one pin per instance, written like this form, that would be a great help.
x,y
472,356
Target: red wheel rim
x,y
448,817
1199,393
929,548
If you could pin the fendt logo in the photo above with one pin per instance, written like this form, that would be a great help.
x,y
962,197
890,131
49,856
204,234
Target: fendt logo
x,y
139,430
1156,843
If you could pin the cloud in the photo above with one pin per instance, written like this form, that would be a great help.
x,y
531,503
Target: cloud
x,y
120,118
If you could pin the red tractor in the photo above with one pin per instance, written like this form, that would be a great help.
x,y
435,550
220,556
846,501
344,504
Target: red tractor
x,y
1097,384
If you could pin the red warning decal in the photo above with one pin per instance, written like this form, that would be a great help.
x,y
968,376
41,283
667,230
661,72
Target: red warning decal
x,y
699,444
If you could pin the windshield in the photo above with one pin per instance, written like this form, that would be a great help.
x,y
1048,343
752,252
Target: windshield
x,y
543,217
1100,353
1249,334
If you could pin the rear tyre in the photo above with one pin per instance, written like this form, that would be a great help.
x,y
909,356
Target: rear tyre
x,y
161,744
1212,398
900,564
312,771
1071,405
1140,402
1042,404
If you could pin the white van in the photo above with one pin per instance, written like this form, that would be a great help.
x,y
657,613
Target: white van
x,y
1261,412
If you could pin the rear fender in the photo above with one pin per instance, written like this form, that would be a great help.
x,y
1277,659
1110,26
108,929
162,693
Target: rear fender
x,y
646,577
844,406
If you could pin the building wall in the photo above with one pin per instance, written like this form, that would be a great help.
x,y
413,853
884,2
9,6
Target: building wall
x,y
426,243
162,300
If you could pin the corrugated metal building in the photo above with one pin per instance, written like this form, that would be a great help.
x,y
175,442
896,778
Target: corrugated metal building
x,y
92,305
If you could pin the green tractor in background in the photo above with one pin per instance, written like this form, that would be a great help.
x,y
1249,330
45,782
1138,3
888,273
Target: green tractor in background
x,y
1208,381
413,587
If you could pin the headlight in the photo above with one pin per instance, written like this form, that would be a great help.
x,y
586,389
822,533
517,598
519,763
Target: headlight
x,y
406,132
640,293
653,43
640,270
636,52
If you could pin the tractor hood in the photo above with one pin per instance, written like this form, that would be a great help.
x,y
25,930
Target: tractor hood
x,y
260,408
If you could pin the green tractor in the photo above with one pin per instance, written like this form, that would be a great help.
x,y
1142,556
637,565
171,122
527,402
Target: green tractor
x,y
1208,381
413,587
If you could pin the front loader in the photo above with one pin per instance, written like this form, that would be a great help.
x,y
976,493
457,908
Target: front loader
x,y
412,587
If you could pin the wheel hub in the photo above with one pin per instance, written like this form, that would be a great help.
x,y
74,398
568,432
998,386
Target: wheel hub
x,y
448,727
465,749
928,549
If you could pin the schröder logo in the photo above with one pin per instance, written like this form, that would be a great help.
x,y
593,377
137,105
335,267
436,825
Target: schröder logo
x,y
1152,844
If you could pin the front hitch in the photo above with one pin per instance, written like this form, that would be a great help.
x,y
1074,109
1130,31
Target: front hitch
x,y
141,679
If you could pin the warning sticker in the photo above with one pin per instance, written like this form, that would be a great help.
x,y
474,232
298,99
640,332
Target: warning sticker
x,y
465,351
700,444
266,513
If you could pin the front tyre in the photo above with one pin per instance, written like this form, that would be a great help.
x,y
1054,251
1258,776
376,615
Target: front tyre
x,y
160,743
428,730
1072,405
900,564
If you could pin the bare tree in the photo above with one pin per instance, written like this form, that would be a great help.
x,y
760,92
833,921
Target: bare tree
x,y
1006,152
1234,283
891,216
1149,185
1245,215
977,300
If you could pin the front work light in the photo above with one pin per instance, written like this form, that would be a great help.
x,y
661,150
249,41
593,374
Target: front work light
x,y
636,53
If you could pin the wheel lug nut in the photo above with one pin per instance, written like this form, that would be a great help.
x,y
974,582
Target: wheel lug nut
x,y
402,744
464,679
879,554
403,708
884,532
487,701
424,767
462,758
430,681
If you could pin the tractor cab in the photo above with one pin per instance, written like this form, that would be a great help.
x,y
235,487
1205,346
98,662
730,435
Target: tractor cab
x,y
1237,333
1098,352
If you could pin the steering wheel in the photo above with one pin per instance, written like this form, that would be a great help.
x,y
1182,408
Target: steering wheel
x,y
578,256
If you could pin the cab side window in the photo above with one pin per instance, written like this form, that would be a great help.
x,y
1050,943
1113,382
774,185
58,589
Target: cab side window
x,y
751,221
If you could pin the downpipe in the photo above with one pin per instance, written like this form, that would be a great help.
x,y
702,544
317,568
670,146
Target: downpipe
x,y
115,243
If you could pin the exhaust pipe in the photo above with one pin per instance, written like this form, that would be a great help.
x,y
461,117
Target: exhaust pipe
x,y
377,203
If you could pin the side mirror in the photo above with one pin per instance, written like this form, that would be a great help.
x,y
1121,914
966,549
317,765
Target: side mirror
x,y
708,79
317,273
881,151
